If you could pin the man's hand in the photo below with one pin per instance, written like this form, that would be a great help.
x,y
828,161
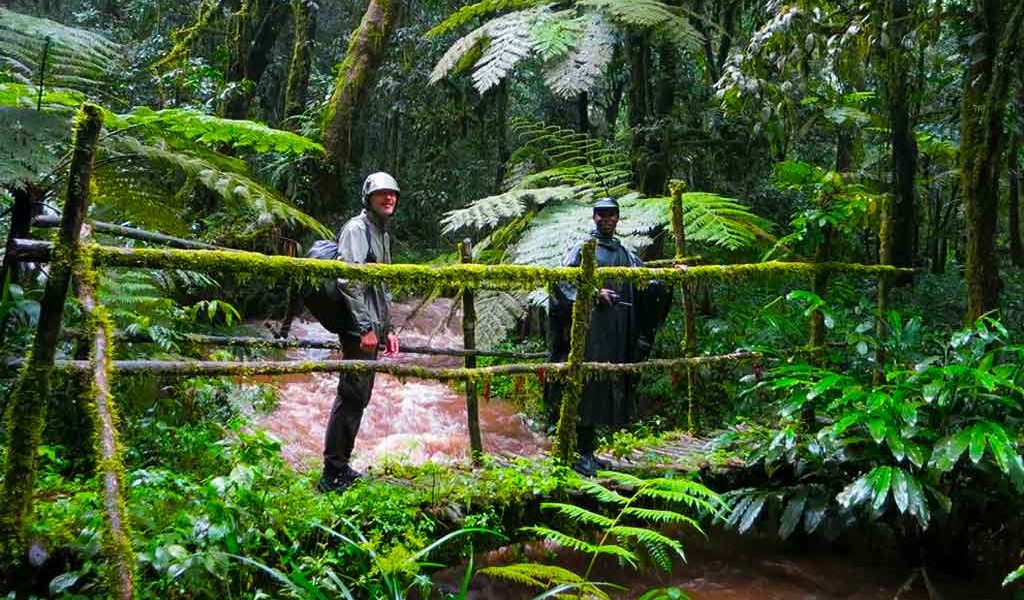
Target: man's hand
x,y
391,346
607,297
368,341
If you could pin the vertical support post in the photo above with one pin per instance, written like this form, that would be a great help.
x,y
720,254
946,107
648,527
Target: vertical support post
x,y
686,289
117,546
26,415
476,446
586,287
21,223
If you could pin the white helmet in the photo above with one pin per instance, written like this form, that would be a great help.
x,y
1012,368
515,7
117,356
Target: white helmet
x,y
379,181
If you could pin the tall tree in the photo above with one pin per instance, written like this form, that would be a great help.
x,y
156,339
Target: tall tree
x,y
994,48
304,14
254,28
357,74
899,246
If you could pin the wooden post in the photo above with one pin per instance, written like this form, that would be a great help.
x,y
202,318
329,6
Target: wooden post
x,y
26,415
21,223
476,446
687,295
117,546
586,287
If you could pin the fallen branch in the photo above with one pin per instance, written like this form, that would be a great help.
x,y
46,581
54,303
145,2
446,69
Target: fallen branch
x,y
132,233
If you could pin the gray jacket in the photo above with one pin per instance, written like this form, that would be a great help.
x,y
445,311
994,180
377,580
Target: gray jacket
x,y
364,240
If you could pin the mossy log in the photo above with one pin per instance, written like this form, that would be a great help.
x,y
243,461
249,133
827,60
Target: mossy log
x,y
26,414
258,342
132,233
117,546
572,391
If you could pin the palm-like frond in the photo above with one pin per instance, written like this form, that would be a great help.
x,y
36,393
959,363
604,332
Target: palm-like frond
x,y
497,312
487,213
75,58
233,186
657,545
215,131
485,8
532,574
578,70
576,43
579,514
510,42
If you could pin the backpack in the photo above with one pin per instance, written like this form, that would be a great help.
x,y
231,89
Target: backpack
x,y
326,301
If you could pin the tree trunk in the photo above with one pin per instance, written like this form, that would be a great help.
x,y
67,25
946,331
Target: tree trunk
x,y
357,74
994,49
304,24
902,213
1013,198
501,133
254,29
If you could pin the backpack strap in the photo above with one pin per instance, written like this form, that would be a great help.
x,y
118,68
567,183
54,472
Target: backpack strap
x,y
371,257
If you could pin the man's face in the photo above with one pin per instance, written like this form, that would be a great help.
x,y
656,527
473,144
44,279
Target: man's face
x,y
383,202
606,219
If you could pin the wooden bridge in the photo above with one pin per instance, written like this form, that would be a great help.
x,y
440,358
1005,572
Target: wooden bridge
x,y
74,258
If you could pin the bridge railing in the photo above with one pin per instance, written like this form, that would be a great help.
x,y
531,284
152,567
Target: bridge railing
x,y
73,257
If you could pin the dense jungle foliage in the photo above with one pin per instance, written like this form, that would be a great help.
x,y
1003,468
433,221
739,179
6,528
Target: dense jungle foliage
x,y
880,414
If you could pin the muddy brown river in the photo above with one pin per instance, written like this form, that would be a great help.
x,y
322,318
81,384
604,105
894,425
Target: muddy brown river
x,y
413,421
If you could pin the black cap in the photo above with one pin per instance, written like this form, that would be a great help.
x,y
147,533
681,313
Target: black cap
x,y
605,204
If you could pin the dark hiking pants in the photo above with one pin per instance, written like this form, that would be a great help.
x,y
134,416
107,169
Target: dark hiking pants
x,y
354,391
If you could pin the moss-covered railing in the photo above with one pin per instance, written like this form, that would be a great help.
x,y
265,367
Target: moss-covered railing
x,y
25,417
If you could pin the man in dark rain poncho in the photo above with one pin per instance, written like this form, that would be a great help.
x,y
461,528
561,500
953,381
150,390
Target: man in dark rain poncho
x,y
622,326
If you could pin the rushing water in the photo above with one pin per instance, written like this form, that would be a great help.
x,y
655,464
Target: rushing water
x,y
414,421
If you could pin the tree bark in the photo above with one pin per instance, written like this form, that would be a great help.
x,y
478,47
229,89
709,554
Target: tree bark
x,y
1013,198
901,213
994,50
304,14
254,29
357,75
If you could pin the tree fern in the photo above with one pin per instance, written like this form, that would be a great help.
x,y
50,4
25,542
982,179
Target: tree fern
x,y
469,12
510,42
497,312
579,69
75,58
488,212
574,43
216,131
30,145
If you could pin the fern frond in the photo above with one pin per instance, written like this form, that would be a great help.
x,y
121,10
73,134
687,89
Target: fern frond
x,y
532,574
76,59
484,8
579,515
654,515
710,507
457,51
580,68
623,554
648,537
602,493
562,539
233,187
31,143
17,95
497,312
555,35
486,213
510,42
216,131
651,14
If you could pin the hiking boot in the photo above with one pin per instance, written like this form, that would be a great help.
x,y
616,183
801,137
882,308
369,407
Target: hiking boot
x,y
587,465
338,482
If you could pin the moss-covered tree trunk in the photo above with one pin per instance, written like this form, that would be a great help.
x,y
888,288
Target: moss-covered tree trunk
x,y
901,213
254,28
356,75
304,14
1013,171
565,437
26,414
995,48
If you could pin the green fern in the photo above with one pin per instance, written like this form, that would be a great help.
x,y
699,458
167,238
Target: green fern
x,y
75,58
616,537
215,131
574,43
31,144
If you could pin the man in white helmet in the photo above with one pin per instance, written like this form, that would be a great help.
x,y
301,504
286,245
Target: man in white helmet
x,y
363,239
